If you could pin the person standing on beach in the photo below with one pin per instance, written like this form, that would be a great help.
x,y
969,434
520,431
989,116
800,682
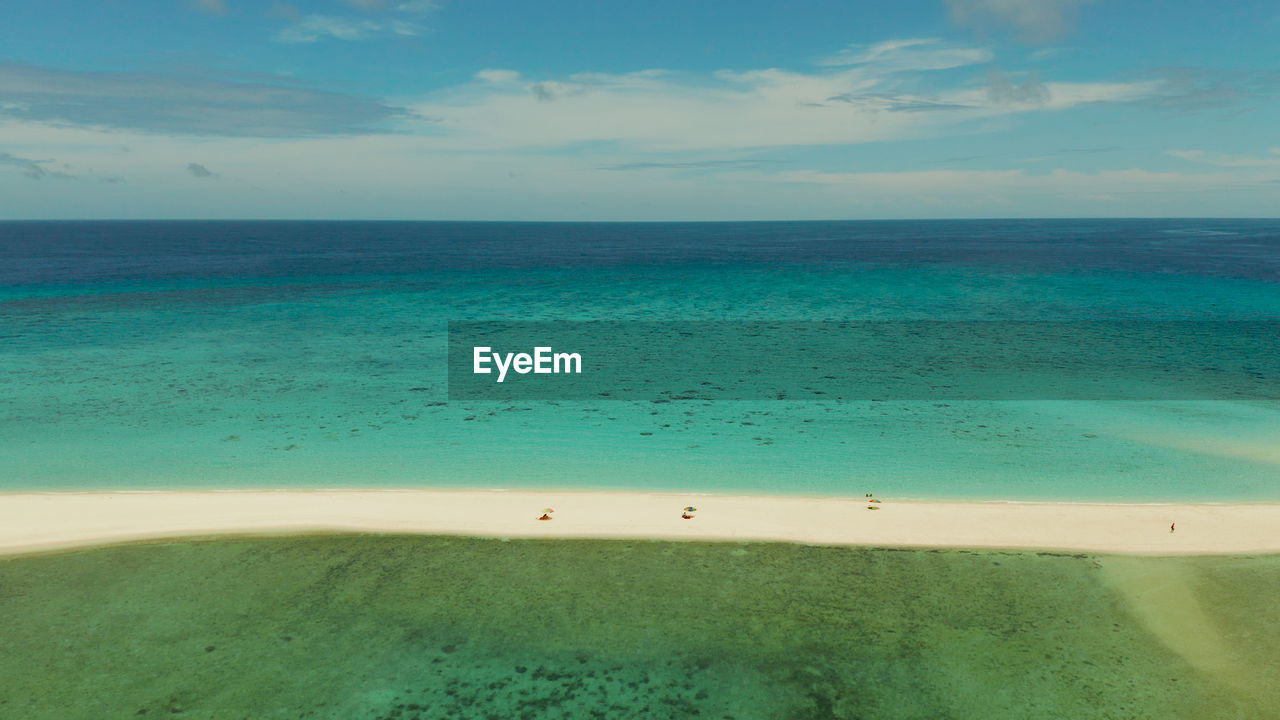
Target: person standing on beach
x,y
1171,526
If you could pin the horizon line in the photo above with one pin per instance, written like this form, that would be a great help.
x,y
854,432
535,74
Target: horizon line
x,y
1216,218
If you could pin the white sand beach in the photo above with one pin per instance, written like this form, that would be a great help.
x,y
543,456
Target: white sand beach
x,y
33,522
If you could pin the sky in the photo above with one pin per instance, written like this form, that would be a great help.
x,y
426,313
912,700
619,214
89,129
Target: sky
x,y
655,110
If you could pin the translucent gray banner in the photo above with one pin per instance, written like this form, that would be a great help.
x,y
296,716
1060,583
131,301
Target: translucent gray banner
x,y
900,360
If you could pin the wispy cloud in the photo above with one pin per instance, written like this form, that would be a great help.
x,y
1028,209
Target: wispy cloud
x,y
959,160
1270,160
549,90
313,28
908,55
690,165
661,111
655,142
1034,21
427,177
1192,89
41,169
1021,190
498,76
1031,94
891,102
183,105
1087,150
28,167
1005,91
647,112
388,19
1060,152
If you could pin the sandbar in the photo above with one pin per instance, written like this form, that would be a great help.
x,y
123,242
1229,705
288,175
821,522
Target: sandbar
x,y
38,522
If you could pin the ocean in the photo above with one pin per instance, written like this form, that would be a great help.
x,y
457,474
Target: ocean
x,y
227,355
145,355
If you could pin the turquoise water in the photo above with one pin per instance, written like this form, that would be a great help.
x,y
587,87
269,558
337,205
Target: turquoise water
x,y
418,628
249,355
272,355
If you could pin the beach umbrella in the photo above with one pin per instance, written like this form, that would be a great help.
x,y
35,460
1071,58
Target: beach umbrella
x,y
691,509
548,511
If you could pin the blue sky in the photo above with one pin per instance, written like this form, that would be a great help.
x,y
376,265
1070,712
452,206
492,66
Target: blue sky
x,y
598,110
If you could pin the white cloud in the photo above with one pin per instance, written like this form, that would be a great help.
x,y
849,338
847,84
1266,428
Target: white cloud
x,y
651,112
959,182
1055,95
656,111
915,54
1018,193
1226,160
400,27
872,98
418,177
641,145
1002,89
498,76
314,28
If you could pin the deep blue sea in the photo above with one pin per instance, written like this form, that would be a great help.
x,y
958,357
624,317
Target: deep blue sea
x,y
140,355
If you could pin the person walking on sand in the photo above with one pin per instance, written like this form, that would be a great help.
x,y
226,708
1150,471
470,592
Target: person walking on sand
x,y
1171,526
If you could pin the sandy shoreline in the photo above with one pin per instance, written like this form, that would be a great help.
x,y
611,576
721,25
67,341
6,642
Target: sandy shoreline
x,y
34,522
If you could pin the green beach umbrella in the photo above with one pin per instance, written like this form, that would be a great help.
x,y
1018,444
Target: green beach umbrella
x,y
691,509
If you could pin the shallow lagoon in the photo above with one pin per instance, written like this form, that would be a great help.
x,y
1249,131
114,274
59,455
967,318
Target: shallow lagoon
x,y
341,626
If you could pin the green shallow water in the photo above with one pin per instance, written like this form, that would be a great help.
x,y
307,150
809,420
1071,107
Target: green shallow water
x,y
379,627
